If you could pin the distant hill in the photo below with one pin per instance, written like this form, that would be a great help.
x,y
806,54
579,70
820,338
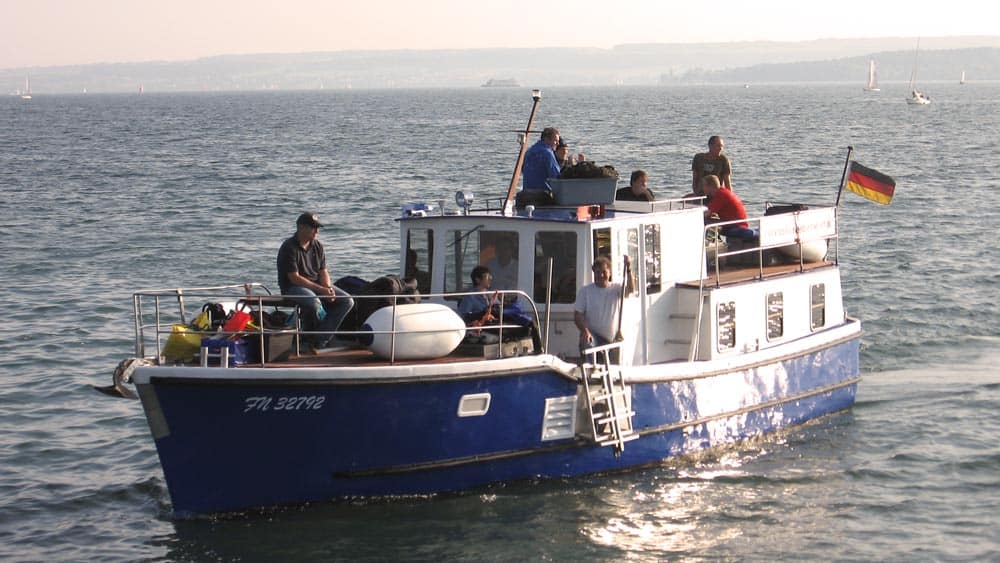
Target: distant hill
x,y
894,66
941,58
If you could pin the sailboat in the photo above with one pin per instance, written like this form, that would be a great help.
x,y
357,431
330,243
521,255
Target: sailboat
x,y
962,80
27,90
872,85
916,96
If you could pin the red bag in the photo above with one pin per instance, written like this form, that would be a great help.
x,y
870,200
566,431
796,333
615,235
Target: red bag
x,y
236,321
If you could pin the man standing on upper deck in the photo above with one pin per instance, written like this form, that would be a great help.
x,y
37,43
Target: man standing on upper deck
x,y
540,161
302,272
711,162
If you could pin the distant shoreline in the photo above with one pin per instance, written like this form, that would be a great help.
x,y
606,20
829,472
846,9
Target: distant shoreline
x,y
827,61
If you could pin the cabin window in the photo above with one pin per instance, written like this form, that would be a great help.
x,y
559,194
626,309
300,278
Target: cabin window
x,y
632,249
602,244
818,306
775,315
560,247
497,250
652,258
419,257
726,315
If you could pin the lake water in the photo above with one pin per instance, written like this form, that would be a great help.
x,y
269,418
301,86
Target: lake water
x,y
106,195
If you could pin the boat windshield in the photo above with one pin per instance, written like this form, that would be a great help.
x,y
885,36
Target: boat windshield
x,y
497,250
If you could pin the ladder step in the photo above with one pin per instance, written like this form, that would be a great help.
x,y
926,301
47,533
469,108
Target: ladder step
x,y
623,417
611,440
603,397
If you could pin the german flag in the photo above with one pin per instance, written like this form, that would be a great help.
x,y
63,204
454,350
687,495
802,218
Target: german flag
x,y
870,184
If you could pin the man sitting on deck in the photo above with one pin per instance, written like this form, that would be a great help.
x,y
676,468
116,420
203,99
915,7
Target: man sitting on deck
x,y
302,272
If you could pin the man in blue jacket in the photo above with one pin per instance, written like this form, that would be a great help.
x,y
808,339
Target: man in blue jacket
x,y
540,161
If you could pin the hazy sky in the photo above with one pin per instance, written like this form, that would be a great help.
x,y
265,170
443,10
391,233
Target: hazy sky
x,y
65,32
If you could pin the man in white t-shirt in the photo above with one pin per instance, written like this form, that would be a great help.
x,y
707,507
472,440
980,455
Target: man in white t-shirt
x,y
597,305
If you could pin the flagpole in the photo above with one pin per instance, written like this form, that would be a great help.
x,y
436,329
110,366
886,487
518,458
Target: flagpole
x,y
536,95
847,162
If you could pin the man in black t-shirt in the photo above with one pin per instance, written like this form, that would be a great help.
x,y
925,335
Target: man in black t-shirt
x,y
712,162
302,272
636,189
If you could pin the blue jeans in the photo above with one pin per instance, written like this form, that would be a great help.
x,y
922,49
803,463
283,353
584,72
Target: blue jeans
x,y
739,232
320,314
598,340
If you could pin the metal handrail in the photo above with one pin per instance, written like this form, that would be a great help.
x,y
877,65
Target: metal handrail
x,y
160,329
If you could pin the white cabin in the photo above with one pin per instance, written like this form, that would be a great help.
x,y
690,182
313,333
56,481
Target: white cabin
x,y
774,302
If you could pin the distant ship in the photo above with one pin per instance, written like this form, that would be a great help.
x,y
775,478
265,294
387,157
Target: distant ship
x,y
501,83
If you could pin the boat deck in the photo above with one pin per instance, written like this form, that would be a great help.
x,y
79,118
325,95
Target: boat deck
x,y
352,356
732,276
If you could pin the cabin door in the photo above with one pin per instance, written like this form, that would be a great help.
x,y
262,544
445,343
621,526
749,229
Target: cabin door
x,y
615,245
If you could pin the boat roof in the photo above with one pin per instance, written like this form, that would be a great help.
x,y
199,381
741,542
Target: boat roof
x,y
585,213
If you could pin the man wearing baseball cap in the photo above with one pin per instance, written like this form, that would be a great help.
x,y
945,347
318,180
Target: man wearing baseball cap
x,y
302,272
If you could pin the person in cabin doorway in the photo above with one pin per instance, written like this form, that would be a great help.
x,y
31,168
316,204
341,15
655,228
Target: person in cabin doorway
x,y
636,189
302,272
597,306
724,205
711,162
540,161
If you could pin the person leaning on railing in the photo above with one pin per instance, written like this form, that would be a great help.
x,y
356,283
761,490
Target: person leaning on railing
x,y
726,206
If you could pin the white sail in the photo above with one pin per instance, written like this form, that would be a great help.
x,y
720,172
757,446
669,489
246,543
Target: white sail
x,y
872,85
916,96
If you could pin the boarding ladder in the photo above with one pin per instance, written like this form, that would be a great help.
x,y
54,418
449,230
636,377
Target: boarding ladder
x,y
608,398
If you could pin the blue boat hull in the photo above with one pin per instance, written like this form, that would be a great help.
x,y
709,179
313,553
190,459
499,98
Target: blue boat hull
x,y
233,444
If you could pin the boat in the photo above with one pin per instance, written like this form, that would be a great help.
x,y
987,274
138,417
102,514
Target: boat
x,y
916,96
26,95
962,79
501,83
716,346
872,84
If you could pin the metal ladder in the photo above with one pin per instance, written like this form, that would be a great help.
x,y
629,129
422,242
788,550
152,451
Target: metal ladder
x,y
607,399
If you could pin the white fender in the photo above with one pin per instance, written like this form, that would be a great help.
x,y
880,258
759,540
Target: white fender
x,y
423,330
812,251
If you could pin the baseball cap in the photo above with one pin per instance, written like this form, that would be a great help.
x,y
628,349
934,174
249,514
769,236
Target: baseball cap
x,y
308,219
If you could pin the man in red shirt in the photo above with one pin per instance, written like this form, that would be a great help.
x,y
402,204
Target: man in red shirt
x,y
725,204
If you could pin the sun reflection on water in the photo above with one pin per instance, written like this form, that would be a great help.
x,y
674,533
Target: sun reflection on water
x,y
687,506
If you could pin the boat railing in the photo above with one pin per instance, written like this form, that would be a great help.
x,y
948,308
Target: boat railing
x,y
792,231
497,205
161,314
672,204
